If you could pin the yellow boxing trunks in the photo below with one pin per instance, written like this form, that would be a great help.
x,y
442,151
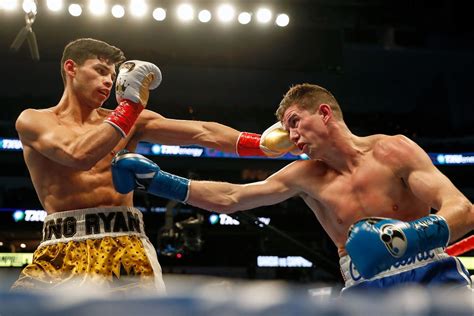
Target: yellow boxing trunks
x,y
100,246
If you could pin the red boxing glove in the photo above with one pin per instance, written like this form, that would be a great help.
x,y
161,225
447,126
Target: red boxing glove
x,y
124,116
248,144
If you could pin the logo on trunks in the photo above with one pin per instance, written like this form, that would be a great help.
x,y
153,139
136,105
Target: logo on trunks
x,y
94,224
419,257
394,240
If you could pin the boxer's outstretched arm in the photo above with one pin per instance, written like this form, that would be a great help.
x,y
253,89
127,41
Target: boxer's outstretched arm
x,y
224,197
131,171
154,128
41,131
433,187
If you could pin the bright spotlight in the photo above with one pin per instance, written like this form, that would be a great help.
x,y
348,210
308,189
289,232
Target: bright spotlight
x,y
264,15
225,12
185,12
29,6
97,7
75,9
8,5
118,11
54,5
204,16
22,245
282,20
244,18
159,14
138,8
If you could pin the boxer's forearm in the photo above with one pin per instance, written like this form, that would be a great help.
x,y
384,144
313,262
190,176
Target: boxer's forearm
x,y
87,149
459,214
219,197
224,197
218,136
157,129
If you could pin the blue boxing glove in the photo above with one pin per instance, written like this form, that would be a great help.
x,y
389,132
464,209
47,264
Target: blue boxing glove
x,y
374,244
130,171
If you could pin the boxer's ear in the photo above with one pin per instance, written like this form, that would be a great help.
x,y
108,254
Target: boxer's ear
x,y
325,112
70,67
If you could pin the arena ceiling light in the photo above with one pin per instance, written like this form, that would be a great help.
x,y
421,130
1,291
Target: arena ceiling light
x,y
185,12
118,11
54,5
138,8
75,9
225,13
8,5
282,20
159,14
29,6
244,18
204,16
97,7
264,15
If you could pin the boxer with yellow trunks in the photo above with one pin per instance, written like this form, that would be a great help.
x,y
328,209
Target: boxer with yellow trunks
x,y
93,233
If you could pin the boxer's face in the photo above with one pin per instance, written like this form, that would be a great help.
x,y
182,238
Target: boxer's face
x,y
94,80
306,129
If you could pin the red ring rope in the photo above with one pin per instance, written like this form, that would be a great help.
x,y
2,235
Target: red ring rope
x,y
461,247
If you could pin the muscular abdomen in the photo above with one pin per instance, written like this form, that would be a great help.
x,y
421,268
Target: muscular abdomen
x,y
61,188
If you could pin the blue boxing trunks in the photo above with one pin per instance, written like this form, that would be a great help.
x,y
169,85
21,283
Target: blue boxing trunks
x,y
104,247
433,268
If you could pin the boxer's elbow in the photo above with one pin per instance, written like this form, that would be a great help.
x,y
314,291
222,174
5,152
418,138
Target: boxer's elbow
x,y
83,160
470,213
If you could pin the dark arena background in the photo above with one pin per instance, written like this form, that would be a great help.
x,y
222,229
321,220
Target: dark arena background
x,y
396,67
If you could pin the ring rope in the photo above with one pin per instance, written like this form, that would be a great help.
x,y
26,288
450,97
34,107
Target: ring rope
x,y
461,247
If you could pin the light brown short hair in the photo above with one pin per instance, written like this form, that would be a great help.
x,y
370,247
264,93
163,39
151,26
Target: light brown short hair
x,y
83,49
309,97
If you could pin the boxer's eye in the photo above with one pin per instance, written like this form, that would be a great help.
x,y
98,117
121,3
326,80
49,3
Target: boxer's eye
x,y
292,121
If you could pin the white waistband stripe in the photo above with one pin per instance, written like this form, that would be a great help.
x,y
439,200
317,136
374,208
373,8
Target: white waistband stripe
x,y
92,223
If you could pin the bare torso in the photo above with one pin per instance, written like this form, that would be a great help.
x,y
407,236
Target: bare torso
x,y
372,189
61,188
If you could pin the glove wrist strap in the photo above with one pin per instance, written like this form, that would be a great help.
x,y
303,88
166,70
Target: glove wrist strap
x,y
170,186
124,116
248,144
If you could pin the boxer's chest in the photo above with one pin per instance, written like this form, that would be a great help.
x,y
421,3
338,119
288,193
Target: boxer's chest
x,y
371,190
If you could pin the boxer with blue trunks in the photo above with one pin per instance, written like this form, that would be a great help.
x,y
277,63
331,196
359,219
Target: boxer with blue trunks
x,y
372,195
119,254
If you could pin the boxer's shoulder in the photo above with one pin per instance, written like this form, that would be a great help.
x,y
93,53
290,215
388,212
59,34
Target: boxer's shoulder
x,y
31,117
307,170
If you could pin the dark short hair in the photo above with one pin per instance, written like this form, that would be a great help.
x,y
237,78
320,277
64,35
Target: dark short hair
x,y
83,49
309,97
